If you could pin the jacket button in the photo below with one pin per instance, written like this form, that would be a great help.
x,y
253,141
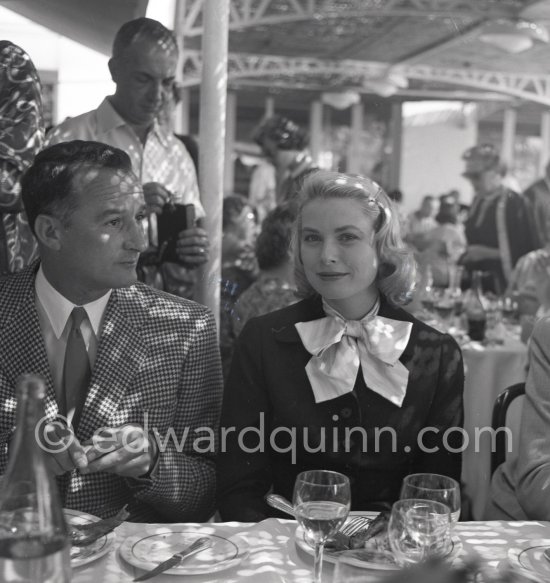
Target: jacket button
x,y
345,412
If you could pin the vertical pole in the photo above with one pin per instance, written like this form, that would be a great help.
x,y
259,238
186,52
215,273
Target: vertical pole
x,y
509,136
354,148
394,171
212,142
181,121
230,133
316,130
269,106
545,142
183,112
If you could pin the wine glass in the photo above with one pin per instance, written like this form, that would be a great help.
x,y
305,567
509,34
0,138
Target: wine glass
x,y
433,487
444,308
321,503
419,529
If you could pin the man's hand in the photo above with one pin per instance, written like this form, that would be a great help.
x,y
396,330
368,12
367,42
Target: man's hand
x,y
156,196
192,247
126,451
476,253
63,450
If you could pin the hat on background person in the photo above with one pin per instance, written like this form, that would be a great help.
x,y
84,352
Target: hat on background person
x,y
286,134
481,158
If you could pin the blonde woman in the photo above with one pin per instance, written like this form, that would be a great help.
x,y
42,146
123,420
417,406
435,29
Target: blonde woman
x,y
345,379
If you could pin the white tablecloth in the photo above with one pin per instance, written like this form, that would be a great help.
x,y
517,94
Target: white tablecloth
x,y
274,557
488,371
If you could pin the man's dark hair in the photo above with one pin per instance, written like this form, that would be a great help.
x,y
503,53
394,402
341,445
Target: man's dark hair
x,y
273,242
143,29
48,186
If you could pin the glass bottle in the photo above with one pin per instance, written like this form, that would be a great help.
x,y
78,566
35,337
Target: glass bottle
x,y
34,542
474,308
427,288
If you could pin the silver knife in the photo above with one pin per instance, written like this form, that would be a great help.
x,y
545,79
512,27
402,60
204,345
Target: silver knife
x,y
195,547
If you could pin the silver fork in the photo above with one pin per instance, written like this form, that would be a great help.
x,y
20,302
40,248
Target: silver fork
x,y
352,526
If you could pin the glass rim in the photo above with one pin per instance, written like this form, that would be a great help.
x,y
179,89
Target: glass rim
x,y
445,507
302,477
454,482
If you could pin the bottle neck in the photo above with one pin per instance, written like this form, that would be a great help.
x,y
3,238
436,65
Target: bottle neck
x,y
24,444
476,282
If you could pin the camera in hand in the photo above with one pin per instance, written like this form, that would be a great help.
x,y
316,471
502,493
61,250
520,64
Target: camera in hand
x,y
173,219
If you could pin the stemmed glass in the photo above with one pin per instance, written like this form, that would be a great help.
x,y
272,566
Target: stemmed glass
x,y
444,308
321,503
433,487
419,529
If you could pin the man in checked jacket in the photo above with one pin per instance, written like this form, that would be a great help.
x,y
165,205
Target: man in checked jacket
x,y
138,377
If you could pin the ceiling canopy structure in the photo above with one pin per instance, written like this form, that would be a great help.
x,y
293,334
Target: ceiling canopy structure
x,y
422,48
455,49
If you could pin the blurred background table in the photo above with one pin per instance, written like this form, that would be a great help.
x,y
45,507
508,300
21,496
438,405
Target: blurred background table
x,y
488,371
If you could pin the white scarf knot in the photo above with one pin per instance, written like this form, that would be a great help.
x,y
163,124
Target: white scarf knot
x,y
339,346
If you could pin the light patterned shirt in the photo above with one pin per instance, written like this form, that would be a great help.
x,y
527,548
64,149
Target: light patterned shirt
x,y
162,159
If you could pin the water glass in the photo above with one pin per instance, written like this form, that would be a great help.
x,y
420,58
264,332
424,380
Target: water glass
x,y
419,529
321,502
433,487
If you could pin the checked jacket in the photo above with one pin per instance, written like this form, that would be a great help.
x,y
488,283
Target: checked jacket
x,y
157,365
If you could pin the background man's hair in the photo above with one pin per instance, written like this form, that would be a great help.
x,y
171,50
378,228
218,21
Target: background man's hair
x,y
48,186
143,29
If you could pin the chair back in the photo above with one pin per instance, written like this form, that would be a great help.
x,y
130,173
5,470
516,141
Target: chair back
x,y
506,415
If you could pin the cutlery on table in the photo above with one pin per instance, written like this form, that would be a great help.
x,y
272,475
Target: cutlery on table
x,y
352,526
85,534
280,503
195,547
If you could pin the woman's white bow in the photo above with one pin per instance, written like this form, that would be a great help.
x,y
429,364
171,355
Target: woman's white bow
x,y
338,346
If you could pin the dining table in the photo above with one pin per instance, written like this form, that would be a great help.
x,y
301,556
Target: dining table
x,y
490,367
488,370
270,553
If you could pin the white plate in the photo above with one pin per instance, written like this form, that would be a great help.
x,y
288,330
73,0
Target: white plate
x,y
332,556
86,554
529,559
146,552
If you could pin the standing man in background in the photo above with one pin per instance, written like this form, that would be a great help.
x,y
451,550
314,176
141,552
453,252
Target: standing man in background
x,y
500,226
143,67
538,194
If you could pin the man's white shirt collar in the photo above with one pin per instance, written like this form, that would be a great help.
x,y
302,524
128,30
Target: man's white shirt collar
x,y
58,308
109,119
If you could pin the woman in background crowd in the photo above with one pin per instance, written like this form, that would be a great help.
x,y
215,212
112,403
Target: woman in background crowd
x,y
274,288
444,244
239,266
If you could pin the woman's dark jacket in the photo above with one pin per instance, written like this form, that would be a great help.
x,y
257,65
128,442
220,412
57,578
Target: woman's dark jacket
x,y
268,392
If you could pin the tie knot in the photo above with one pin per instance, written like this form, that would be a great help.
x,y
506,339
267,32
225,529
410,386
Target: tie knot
x,y
78,315
354,328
